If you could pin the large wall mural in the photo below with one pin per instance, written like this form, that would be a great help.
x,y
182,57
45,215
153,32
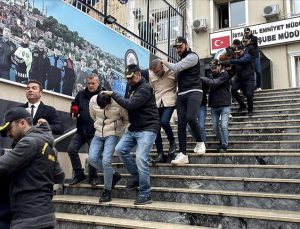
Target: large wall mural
x,y
57,44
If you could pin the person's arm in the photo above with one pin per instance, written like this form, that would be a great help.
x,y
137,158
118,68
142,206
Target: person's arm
x,y
18,157
55,121
91,108
189,61
135,101
243,60
215,82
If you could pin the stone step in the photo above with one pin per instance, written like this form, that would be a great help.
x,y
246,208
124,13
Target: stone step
x,y
241,122
249,129
238,158
250,137
276,201
225,170
294,144
269,106
179,214
78,221
272,100
269,185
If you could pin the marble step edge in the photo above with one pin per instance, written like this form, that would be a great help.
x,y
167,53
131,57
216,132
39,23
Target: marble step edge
x,y
287,100
228,154
269,105
251,135
218,178
252,128
241,151
204,192
245,142
224,166
256,122
119,222
242,212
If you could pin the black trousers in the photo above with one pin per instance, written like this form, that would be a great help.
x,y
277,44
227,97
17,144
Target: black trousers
x,y
76,143
188,106
247,86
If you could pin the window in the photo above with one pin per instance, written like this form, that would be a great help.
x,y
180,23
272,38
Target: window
x,y
296,6
162,29
231,14
295,68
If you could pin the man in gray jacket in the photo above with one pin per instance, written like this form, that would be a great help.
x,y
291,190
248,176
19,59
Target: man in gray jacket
x,y
33,167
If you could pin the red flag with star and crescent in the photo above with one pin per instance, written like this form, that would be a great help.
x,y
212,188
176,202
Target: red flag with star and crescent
x,y
220,42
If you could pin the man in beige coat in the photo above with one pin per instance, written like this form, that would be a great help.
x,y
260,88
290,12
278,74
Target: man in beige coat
x,y
164,84
110,121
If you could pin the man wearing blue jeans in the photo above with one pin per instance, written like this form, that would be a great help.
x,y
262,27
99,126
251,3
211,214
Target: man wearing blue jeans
x,y
164,84
219,101
141,133
109,122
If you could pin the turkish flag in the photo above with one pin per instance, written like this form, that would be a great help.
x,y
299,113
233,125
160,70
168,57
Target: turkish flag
x,y
220,42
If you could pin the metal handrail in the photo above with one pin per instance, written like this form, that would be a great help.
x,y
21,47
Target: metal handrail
x,y
65,135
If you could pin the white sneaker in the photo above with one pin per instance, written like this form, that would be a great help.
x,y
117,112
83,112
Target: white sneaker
x,y
258,89
200,148
180,159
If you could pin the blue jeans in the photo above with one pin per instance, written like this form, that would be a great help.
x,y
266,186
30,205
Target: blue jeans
x,y
201,121
258,72
165,115
100,155
139,169
221,126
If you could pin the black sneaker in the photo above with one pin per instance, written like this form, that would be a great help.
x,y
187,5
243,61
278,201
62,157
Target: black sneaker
x,y
223,149
250,113
78,179
172,148
142,200
132,186
116,177
106,196
93,181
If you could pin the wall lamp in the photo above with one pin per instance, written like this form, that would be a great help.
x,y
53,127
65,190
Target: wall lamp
x,y
109,19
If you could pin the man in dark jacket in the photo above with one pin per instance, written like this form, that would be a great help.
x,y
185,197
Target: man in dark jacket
x,y
219,101
188,99
244,79
33,167
144,125
85,129
39,110
7,48
253,42
40,63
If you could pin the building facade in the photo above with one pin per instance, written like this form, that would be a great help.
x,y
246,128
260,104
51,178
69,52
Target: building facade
x,y
276,23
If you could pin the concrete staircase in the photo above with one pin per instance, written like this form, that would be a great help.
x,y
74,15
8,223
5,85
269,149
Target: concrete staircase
x,y
255,185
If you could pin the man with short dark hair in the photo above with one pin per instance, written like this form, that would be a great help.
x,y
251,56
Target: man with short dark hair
x,y
56,72
188,98
254,48
7,48
22,59
33,167
40,62
141,133
38,110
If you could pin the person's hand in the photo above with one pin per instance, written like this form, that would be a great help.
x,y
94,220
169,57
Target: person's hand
x,y
41,120
107,92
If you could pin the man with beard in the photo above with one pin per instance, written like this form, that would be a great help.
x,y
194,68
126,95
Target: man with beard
x,y
188,99
22,59
40,62
7,48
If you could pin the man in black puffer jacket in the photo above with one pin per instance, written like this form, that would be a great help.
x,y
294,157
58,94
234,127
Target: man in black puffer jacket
x,y
85,129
